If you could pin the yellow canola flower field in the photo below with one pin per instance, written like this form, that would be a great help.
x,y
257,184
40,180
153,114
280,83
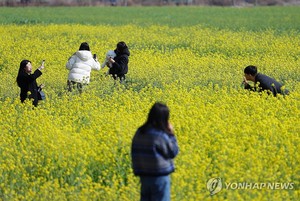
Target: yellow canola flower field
x,y
77,146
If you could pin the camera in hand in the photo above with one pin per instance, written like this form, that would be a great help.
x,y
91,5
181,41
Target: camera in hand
x,y
95,56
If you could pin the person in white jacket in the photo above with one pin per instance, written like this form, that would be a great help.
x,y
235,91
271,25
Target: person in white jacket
x,y
80,65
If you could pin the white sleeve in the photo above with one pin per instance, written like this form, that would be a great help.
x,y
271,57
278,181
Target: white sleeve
x,y
71,62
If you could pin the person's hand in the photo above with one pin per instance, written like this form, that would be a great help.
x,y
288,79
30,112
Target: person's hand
x,y
42,86
170,128
41,67
245,82
111,60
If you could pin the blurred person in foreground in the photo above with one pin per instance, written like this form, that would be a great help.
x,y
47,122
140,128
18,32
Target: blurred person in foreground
x,y
27,81
80,65
262,82
119,64
154,146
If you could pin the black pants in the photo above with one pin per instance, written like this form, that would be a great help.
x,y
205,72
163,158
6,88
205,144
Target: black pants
x,y
72,85
120,76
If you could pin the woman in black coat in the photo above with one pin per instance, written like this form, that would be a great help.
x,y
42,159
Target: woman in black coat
x,y
27,81
120,62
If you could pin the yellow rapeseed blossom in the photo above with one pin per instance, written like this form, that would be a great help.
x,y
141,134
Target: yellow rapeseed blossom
x,y
77,146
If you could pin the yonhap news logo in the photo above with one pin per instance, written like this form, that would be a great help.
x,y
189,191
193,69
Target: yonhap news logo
x,y
215,185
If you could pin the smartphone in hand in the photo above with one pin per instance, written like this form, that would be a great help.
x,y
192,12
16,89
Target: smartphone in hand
x,y
95,56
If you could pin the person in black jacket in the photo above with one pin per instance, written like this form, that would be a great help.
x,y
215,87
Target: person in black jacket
x,y
264,82
27,81
120,62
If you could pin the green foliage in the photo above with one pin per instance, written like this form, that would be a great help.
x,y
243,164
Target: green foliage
x,y
248,18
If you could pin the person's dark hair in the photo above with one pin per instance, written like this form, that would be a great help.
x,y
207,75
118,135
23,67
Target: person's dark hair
x,y
252,70
121,46
158,118
22,69
84,46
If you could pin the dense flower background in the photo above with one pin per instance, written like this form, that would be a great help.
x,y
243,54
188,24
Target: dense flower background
x,y
77,146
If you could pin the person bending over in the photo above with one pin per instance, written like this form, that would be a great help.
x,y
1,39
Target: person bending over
x,y
262,82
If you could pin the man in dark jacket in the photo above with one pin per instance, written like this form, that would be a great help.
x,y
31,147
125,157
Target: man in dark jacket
x,y
120,62
27,81
264,82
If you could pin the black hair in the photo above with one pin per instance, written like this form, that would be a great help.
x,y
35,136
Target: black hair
x,y
158,118
121,46
22,68
252,70
84,46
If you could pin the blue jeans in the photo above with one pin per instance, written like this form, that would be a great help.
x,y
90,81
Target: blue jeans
x,y
155,188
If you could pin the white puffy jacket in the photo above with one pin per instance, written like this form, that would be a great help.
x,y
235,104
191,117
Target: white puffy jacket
x,y
80,65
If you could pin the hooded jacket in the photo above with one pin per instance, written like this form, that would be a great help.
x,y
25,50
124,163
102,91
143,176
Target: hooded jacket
x,y
80,65
120,67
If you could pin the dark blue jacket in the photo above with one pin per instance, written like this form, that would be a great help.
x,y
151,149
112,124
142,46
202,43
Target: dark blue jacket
x,y
152,153
267,83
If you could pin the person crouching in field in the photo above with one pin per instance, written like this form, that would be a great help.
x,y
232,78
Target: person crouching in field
x,y
80,65
154,146
27,81
264,82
